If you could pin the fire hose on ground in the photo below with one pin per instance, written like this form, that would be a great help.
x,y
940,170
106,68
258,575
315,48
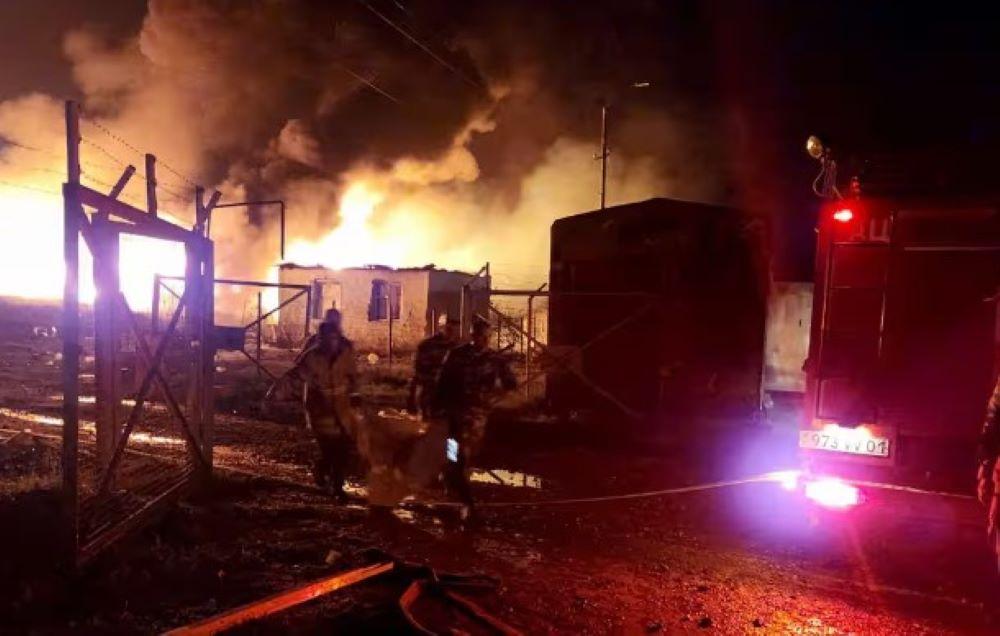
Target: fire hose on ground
x,y
425,584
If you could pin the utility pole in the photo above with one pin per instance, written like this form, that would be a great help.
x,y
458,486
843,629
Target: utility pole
x,y
604,153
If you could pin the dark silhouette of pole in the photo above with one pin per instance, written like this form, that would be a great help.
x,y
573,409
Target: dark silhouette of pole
x,y
260,327
151,204
604,154
72,211
388,304
605,151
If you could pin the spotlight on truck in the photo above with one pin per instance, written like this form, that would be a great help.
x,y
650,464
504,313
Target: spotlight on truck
x,y
815,147
831,492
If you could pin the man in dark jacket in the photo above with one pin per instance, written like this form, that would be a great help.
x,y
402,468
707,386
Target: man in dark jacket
x,y
470,378
427,364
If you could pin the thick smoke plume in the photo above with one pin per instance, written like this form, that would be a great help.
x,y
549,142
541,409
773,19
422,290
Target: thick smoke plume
x,y
456,156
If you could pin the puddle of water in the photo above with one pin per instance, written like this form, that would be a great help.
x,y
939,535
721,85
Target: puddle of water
x,y
501,477
159,440
90,399
404,515
33,418
48,420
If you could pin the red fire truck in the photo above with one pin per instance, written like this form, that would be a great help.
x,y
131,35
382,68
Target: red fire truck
x,y
903,347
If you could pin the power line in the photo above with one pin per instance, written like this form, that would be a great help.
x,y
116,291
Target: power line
x,y
116,137
32,168
402,8
27,187
106,152
368,83
175,197
174,193
123,142
16,144
87,175
423,46
91,177
130,200
58,155
182,177
159,182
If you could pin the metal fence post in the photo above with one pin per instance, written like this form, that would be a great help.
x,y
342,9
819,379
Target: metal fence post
x,y
72,211
388,305
260,328
154,314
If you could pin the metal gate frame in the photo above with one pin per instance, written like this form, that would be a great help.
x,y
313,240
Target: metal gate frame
x,y
256,324
565,361
109,219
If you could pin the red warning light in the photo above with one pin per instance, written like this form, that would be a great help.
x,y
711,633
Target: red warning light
x,y
844,215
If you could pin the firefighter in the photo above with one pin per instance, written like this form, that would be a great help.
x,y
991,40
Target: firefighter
x,y
327,369
988,487
469,380
430,356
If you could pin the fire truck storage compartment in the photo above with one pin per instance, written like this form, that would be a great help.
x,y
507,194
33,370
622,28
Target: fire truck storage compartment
x,y
939,341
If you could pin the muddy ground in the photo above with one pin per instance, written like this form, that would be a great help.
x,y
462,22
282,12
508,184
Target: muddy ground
x,y
739,559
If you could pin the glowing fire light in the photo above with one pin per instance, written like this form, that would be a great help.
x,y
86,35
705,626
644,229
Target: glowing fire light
x,y
789,479
352,243
853,435
844,215
31,264
31,261
830,492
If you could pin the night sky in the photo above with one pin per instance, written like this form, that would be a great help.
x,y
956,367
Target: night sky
x,y
31,39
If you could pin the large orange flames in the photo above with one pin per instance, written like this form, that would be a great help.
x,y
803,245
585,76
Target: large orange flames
x,y
31,262
352,242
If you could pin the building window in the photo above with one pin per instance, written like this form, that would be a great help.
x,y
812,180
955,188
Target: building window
x,y
384,296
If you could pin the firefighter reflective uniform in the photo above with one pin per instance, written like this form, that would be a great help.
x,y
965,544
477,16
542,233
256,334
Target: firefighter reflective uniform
x,y
469,379
330,377
989,468
427,364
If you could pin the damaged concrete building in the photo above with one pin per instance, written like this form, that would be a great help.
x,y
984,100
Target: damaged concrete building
x,y
379,302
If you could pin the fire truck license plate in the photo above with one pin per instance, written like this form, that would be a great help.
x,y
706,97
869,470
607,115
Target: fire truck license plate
x,y
844,442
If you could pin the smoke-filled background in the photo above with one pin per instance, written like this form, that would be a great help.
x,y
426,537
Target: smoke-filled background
x,y
405,133
456,146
